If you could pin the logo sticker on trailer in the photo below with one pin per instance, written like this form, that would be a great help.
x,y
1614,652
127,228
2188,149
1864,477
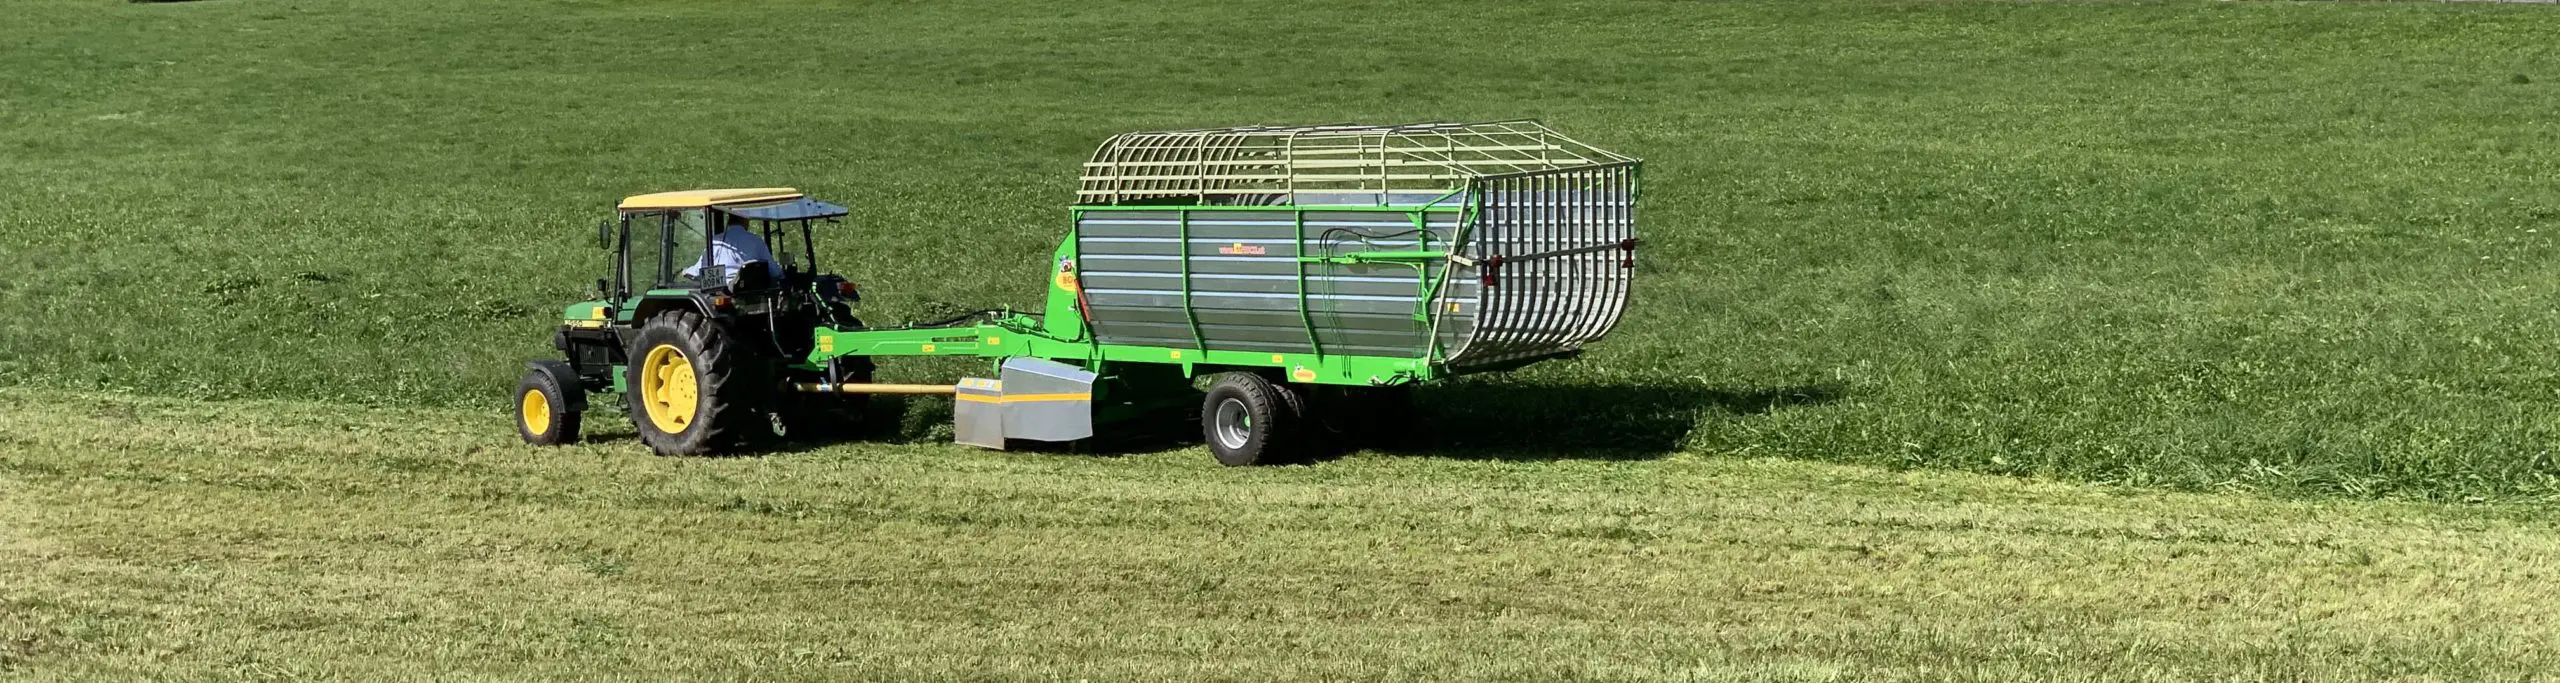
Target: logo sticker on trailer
x,y
1067,275
1242,249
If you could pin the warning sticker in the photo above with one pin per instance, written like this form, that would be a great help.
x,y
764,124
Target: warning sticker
x,y
1242,249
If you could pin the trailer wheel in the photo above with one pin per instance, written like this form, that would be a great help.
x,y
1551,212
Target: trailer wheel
x,y
546,415
686,387
1248,420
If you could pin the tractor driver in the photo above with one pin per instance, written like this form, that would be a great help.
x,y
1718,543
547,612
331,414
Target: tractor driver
x,y
733,247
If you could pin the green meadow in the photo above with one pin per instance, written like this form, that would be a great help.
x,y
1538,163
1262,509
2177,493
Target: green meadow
x,y
2297,248
1971,340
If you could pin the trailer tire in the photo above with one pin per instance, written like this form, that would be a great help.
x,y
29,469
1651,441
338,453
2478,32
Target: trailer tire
x,y
1249,421
689,390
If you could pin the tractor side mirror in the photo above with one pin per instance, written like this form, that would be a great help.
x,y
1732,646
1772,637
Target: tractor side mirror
x,y
604,234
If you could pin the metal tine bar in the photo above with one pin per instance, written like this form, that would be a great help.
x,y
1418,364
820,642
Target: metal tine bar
x,y
1623,211
1557,321
1540,318
1511,222
1551,326
1133,165
1616,280
1586,306
1488,153
1596,265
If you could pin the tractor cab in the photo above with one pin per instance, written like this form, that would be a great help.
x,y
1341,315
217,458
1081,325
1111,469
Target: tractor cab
x,y
726,255
717,250
705,287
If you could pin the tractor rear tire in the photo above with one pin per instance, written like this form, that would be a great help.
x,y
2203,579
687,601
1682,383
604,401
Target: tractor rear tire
x,y
1250,421
691,391
546,415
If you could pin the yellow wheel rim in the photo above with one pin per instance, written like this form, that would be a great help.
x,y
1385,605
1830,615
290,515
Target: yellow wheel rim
x,y
536,412
667,389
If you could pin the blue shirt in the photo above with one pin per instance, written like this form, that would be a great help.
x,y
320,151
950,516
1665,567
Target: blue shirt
x,y
733,248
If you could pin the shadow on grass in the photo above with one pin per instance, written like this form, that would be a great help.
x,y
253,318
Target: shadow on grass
x,y
1157,433
886,419
1467,421
1505,421
626,437
1524,422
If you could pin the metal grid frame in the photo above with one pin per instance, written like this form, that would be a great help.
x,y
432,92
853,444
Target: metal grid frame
x,y
1555,251
1273,164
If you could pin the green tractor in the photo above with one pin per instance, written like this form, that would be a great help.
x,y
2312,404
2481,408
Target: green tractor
x,y
1292,283
699,322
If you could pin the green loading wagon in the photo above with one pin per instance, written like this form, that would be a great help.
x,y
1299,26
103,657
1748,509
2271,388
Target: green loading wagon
x,y
1312,273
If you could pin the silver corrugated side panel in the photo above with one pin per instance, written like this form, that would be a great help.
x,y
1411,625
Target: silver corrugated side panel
x,y
1244,273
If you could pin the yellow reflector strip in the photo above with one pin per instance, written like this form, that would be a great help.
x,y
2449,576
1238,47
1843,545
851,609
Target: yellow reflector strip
x,y
1019,398
1024,398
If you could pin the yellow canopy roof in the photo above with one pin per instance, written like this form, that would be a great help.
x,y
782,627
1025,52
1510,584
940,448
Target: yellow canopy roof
x,y
694,199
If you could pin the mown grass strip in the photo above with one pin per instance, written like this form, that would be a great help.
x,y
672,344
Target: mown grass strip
x,y
157,538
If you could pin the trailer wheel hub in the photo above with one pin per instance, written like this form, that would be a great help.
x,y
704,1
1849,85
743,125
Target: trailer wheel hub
x,y
1235,424
667,389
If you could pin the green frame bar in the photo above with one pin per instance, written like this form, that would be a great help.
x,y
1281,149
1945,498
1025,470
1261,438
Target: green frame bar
x,y
1306,317
1190,313
1020,336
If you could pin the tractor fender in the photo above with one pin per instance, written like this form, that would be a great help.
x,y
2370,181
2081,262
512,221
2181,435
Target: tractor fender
x,y
567,379
654,307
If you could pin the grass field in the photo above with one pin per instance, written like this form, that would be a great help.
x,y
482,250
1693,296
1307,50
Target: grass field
x,y
173,540
2294,248
1972,340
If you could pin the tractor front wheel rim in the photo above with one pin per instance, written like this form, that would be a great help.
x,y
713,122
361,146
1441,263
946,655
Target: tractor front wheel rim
x,y
1235,424
536,412
667,390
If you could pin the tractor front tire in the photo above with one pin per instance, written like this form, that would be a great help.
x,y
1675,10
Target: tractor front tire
x,y
1249,421
690,391
546,414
